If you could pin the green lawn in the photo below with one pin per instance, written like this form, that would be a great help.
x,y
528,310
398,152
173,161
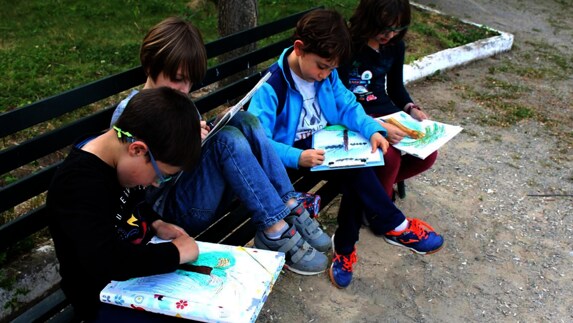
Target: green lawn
x,y
49,46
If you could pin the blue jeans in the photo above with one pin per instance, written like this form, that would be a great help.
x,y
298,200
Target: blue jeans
x,y
238,161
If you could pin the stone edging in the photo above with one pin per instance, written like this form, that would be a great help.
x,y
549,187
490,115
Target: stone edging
x,y
452,57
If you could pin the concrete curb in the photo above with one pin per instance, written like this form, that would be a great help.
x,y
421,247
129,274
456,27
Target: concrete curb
x,y
452,57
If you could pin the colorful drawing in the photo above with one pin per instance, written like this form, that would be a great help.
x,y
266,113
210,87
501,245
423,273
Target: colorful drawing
x,y
344,149
423,137
225,284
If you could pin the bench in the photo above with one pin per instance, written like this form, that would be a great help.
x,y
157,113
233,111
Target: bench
x,y
45,151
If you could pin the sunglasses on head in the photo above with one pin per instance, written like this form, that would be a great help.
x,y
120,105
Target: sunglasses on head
x,y
388,30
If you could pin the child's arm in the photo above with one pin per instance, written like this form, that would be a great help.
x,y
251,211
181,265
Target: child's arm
x,y
264,106
394,134
377,141
311,158
187,247
395,78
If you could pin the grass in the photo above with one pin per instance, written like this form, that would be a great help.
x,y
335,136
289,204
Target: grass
x,y
49,46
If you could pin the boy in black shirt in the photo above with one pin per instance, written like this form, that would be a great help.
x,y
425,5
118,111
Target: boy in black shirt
x,y
100,222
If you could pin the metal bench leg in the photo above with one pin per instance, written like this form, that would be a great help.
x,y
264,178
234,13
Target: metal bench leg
x,y
401,189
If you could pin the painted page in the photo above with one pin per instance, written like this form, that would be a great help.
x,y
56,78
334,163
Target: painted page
x,y
423,137
344,149
223,118
225,284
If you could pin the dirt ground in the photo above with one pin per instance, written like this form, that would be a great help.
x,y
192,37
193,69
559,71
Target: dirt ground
x,y
501,193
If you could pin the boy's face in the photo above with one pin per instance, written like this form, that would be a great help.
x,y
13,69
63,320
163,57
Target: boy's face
x,y
180,83
138,168
312,67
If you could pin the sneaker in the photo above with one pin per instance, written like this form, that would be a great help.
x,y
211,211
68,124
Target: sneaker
x,y
301,258
311,202
341,269
309,228
419,237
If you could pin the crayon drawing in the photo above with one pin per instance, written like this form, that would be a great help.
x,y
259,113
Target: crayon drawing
x,y
225,284
422,137
344,148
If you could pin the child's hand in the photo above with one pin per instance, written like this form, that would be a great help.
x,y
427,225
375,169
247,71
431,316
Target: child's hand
x,y
394,134
311,157
167,231
204,130
416,112
377,141
188,249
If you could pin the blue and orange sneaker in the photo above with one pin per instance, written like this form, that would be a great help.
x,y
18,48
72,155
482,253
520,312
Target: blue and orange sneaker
x,y
341,269
419,237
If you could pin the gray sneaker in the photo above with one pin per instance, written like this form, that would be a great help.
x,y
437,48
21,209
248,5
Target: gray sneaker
x,y
309,229
301,258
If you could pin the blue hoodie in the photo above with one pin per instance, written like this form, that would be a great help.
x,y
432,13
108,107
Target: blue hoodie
x,y
278,106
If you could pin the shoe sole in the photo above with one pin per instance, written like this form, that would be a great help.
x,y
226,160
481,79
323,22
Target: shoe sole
x,y
333,281
394,243
304,273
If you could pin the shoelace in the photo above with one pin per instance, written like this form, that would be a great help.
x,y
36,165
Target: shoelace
x,y
347,261
418,226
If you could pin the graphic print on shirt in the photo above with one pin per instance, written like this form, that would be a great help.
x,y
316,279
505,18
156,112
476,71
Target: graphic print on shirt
x,y
311,119
359,83
130,223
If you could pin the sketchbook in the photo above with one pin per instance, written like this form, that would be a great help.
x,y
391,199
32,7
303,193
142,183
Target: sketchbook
x,y
223,118
344,149
423,137
225,284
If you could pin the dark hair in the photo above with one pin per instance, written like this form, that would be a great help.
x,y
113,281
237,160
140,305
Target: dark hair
x,y
373,16
324,33
172,44
168,122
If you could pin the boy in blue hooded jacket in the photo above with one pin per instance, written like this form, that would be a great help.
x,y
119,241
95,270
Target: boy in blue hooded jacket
x,y
303,95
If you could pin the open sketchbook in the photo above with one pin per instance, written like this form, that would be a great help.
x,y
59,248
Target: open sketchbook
x,y
423,137
223,118
344,149
225,284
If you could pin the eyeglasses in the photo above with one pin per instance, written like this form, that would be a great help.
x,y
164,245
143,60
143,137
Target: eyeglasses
x,y
389,30
161,179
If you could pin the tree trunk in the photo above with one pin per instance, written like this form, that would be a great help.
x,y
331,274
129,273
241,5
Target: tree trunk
x,y
234,16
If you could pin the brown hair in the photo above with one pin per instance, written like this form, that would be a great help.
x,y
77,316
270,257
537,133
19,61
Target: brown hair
x,y
324,33
373,16
172,44
168,122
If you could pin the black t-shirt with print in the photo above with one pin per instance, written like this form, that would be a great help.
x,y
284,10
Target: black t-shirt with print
x,y
100,229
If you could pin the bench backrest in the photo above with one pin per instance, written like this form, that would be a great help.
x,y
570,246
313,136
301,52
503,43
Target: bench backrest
x,y
17,156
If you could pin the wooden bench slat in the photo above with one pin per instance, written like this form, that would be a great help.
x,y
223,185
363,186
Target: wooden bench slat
x,y
24,226
244,62
242,38
40,146
57,105
26,188
45,309
223,95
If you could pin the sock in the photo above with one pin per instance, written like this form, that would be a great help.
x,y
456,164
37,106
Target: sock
x,y
402,226
292,203
278,234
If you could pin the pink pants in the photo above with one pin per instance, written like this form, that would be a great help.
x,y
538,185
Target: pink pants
x,y
398,168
